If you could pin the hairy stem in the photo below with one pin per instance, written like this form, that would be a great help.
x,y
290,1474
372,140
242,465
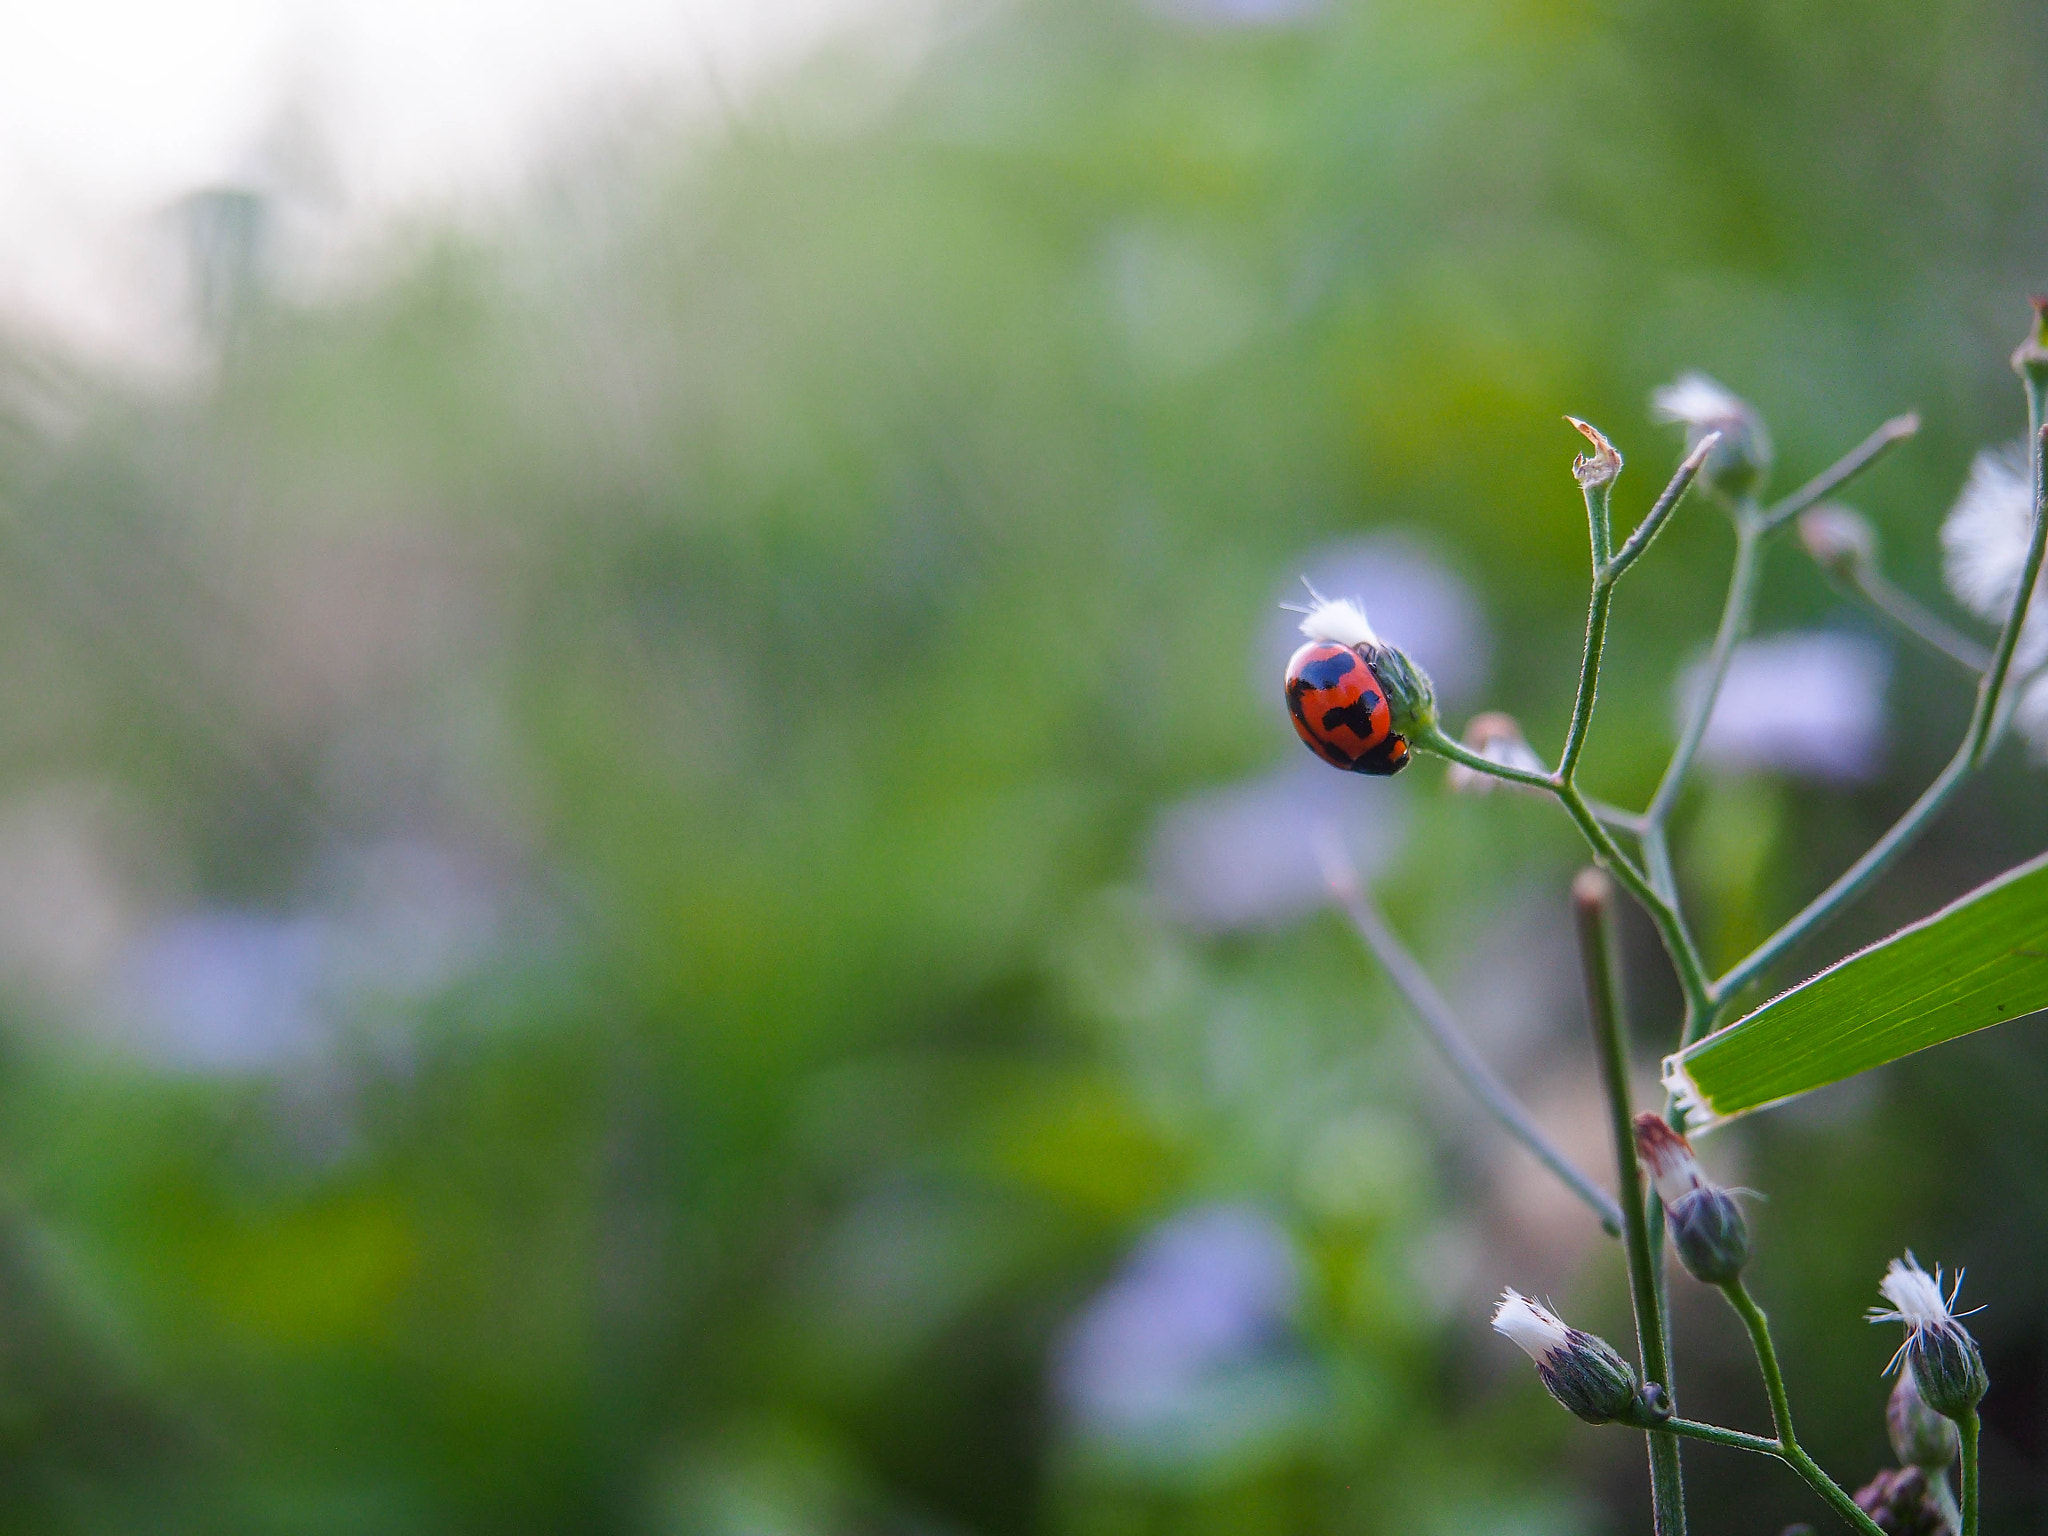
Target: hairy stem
x,y
1441,1025
1971,1427
1592,903
1781,1411
1734,621
1913,617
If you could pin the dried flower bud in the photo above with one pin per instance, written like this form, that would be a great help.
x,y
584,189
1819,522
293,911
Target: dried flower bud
x,y
1498,739
1739,462
1580,1371
1601,465
1920,1436
1708,1231
1939,1351
1841,541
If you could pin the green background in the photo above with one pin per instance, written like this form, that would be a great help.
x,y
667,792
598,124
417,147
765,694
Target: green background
x,y
785,571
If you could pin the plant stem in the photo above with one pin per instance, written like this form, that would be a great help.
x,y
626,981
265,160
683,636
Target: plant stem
x,y
1592,903
1839,473
1441,1025
1945,1500
1781,1410
1971,1427
1714,1434
1734,621
1915,618
1976,744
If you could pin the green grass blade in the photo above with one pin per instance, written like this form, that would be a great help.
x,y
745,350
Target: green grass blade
x,y
1979,961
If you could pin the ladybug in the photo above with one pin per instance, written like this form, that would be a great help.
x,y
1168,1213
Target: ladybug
x,y
1339,707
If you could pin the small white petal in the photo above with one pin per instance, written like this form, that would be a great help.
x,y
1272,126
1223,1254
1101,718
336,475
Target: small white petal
x,y
1669,1157
1339,620
1537,1331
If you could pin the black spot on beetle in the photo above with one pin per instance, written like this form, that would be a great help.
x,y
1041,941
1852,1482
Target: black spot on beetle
x,y
1355,717
1327,671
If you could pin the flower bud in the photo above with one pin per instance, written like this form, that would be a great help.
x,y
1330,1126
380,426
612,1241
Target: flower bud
x,y
1580,1371
1708,1230
1498,739
1411,698
1920,1436
1900,1502
2030,359
1840,541
1944,1359
1740,461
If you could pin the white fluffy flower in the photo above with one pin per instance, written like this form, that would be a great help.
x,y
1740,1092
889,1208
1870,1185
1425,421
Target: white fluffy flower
x,y
1340,620
1536,1330
1985,541
1698,401
1915,1296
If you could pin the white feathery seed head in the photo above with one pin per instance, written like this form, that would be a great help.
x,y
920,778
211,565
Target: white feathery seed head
x,y
1984,541
1340,620
1915,1296
1699,402
1534,1329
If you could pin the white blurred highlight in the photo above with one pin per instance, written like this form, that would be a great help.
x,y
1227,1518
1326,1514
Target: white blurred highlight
x,y
1809,704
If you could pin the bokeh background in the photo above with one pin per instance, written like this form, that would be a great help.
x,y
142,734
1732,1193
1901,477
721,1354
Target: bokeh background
x,y
651,874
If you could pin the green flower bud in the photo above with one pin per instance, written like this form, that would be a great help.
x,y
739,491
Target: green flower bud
x,y
1708,1230
2030,359
1580,1371
1920,1436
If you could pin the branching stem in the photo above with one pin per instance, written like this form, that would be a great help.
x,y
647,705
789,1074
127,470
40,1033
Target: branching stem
x,y
1790,1450
1441,1025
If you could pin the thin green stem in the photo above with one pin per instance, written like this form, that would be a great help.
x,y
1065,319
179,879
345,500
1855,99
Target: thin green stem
x,y
1945,1499
1714,1434
1839,473
1432,738
1589,678
1977,742
1592,907
1971,1427
1915,618
1441,1025
1794,1454
1734,621
1654,520
1685,959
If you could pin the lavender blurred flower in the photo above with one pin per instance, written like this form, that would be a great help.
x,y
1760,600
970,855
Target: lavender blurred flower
x,y
1207,1296
1806,703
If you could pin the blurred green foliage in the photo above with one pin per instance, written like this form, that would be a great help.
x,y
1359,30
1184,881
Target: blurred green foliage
x,y
791,568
